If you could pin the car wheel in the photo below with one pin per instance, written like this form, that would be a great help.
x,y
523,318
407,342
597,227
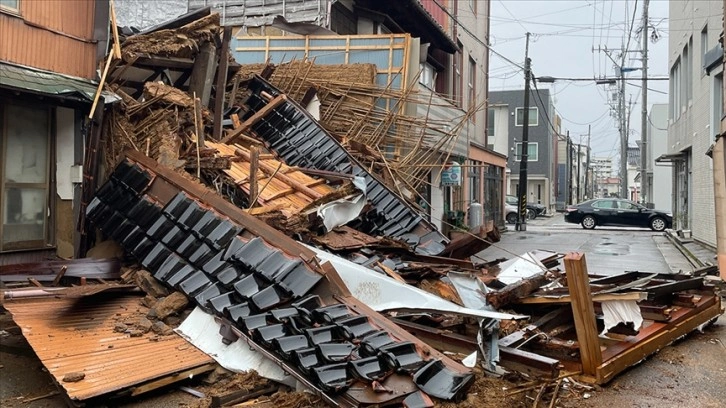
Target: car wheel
x,y
588,222
657,224
531,214
511,218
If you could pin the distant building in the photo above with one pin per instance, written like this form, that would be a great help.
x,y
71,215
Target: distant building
x,y
633,173
694,112
602,168
541,163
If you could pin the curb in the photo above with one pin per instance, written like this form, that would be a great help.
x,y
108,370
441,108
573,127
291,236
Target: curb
x,y
685,251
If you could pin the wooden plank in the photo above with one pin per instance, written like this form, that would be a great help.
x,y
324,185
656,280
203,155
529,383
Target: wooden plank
x,y
274,103
100,85
661,337
391,273
603,297
274,172
578,284
114,31
221,85
172,379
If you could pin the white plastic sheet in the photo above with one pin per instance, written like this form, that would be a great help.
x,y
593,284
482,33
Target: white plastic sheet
x,y
616,311
380,292
341,212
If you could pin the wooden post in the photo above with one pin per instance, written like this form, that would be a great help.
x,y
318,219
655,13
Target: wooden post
x,y
203,73
274,103
254,166
221,86
578,284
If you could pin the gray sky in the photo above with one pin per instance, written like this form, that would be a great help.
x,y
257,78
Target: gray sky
x,y
564,34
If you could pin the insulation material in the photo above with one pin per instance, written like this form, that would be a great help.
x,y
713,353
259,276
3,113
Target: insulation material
x,y
621,311
522,267
202,330
341,212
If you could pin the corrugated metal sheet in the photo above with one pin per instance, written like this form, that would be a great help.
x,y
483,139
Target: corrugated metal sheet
x,y
76,335
255,13
23,42
446,118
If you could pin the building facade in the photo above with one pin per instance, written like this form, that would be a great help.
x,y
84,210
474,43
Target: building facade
x,y
659,184
693,113
541,163
48,58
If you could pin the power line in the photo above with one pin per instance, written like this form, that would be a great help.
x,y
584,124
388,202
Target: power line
x,y
472,35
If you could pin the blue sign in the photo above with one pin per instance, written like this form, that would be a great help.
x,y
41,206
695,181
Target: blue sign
x,y
451,174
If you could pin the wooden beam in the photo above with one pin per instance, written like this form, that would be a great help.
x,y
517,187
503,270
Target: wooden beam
x,y
171,379
274,103
273,172
516,291
59,276
604,297
100,85
114,31
203,73
254,167
221,85
578,284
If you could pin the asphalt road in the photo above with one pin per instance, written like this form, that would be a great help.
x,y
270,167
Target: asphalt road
x,y
608,250
689,373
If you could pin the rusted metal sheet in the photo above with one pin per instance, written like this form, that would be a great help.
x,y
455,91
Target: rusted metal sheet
x,y
52,35
77,335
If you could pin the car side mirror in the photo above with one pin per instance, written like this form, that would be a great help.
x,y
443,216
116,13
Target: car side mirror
x,y
640,209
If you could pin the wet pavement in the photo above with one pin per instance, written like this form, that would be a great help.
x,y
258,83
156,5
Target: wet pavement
x,y
608,250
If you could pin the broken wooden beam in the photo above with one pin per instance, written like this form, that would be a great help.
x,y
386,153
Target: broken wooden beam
x,y
274,103
516,291
274,171
237,397
254,167
203,73
221,85
602,297
578,284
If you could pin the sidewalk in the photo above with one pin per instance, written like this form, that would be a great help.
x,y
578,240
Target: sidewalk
x,y
698,255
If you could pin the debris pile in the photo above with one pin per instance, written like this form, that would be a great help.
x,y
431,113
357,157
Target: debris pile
x,y
227,194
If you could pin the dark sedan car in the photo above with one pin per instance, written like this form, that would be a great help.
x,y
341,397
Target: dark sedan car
x,y
617,212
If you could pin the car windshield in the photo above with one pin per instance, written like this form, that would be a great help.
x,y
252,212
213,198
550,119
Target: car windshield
x,y
512,200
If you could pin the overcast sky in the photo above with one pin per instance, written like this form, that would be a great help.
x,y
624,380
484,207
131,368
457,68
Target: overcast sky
x,y
564,34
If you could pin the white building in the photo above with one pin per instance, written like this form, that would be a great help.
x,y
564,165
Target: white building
x,y
659,185
694,112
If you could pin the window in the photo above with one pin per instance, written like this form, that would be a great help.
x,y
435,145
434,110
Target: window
x,y
532,151
717,105
472,86
533,116
10,4
675,90
490,125
25,152
458,66
604,203
624,205
474,173
704,49
428,75
689,72
342,20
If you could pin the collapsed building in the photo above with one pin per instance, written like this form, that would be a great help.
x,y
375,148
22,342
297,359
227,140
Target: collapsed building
x,y
259,194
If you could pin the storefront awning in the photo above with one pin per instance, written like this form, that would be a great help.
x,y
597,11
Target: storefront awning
x,y
670,157
27,79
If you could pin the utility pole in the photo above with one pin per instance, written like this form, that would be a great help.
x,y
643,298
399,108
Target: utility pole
x,y
623,138
579,177
522,218
587,165
644,111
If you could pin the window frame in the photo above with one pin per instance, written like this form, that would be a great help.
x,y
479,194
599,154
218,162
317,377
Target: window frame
x,y
471,85
49,223
518,151
9,9
704,48
536,116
